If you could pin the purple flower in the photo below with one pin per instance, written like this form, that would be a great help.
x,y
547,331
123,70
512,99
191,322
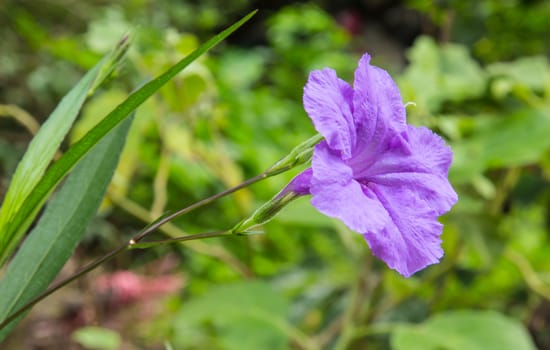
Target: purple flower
x,y
381,177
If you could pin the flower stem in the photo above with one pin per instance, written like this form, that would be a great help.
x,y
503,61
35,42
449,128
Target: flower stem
x,y
164,219
133,243
144,245
62,283
130,245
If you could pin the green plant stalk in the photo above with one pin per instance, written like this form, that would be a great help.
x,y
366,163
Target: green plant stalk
x,y
263,214
136,239
164,219
134,243
171,230
87,269
60,168
299,155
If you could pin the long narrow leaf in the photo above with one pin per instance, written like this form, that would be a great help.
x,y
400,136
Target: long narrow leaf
x,y
38,156
59,169
42,148
59,230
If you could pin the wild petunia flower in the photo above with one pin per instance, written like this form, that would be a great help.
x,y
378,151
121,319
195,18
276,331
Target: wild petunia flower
x,y
383,178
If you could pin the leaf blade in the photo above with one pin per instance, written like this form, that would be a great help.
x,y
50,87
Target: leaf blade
x,y
464,329
38,156
63,224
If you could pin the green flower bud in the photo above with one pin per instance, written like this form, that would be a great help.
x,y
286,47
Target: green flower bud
x,y
264,213
299,155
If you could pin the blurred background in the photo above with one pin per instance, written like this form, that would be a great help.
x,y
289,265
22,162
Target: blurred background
x,y
479,74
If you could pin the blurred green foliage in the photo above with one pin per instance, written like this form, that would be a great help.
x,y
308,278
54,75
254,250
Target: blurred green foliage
x,y
309,283
495,30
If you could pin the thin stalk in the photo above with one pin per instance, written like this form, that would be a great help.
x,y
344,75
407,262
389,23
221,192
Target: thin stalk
x,y
135,245
161,221
173,231
62,283
95,264
136,239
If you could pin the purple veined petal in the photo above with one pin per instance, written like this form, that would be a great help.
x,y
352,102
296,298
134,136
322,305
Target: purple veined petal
x,y
378,109
421,151
378,157
430,149
421,165
434,190
328,102
411,241
336,194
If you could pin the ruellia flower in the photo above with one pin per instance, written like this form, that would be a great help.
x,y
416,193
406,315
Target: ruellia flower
x,y
383,178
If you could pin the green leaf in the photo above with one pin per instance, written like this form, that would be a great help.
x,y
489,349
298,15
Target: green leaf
x,y
52,241
532,71
42,148
97,338
246,315
21,220
437,74
458,330
514,140
37,158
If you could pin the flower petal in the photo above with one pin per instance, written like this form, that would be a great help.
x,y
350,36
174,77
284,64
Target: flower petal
x,y
421,165
300,184
430,149
328,102
337,194
411,241
434,190
377,105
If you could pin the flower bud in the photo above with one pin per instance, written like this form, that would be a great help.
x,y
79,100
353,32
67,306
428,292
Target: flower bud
x,y
297,187
299,155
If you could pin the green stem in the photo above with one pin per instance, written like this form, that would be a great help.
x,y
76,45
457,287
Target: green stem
x,y
60,284
135,245
130,245
133,242
162,220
